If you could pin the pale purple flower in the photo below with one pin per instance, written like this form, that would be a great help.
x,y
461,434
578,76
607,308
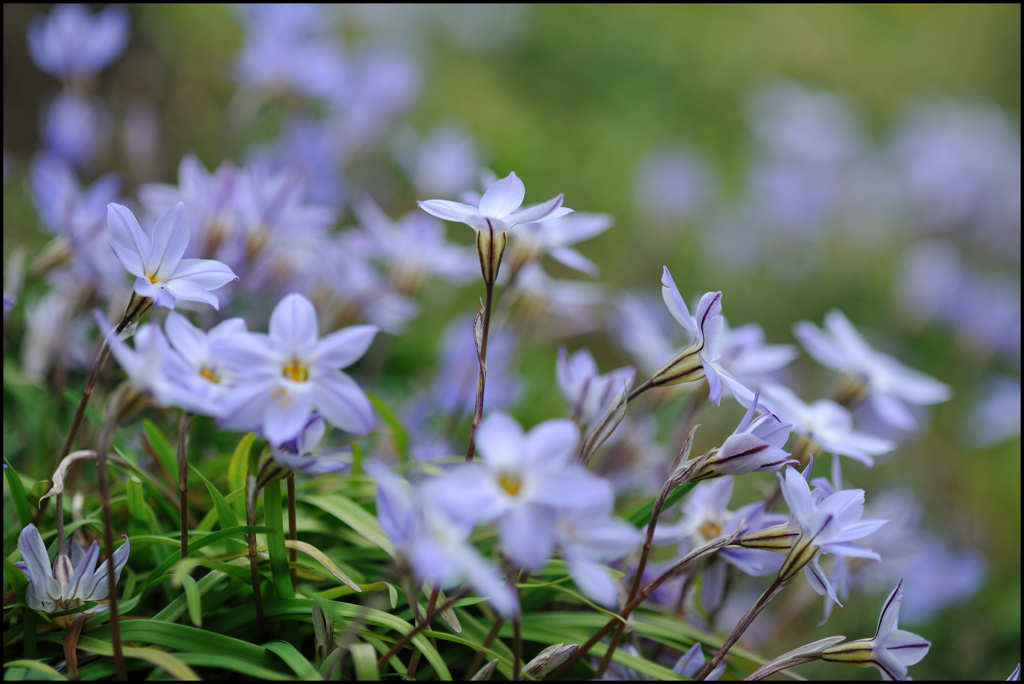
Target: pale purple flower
x,y
498,209
588,394
72,580
75,127
71,42
672,185
691,662
567,307
891,384
287,374
445,162
196,349
66,207
793,122
996,417
434,544
209,199
826,526
891,650
826,423
414,246
748,358
302,453
312,148
588,537
9,300
522,481
644,330
161,274
554,237
706,328
455,388
755,445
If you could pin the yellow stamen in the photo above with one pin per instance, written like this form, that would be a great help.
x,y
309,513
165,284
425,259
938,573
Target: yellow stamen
x,y
296,370
210,375
510,482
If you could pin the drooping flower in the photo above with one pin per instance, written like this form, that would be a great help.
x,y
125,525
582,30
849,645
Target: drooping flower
x,y
161,274
497,212
756,444
890,384
71,581
891,650
286,374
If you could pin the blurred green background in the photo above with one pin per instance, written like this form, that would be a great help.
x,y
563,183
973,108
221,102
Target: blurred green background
x,y
571,101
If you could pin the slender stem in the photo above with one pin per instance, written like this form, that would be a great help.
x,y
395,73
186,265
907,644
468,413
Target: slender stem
x,y
411,634
645,593
105,442
639,575
517,662
770,593
478,411
183,426
431,604
62,543
251,493
640,390
293,530
499,622
595,438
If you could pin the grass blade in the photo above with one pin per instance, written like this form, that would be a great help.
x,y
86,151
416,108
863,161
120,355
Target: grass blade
x,y
273,518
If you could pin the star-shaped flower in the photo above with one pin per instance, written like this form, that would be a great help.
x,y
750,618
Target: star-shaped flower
x,y
161,274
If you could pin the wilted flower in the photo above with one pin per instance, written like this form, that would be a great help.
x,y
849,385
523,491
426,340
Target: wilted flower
x,y
891,650
286,374
497,212
161,274
72,581
890,384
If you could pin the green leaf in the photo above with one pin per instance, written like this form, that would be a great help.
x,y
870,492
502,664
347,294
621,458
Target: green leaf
x,y
195,545
18,496
390,419
273,518
138,511
36,666
355,516
296,661
194,600
190,639
641,517
323,560
164,661
162,448
364,657
224,513
238,467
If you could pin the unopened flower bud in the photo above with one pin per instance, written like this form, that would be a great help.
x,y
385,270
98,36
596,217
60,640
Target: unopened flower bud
x,y
778,538
490,246
548,659
685,367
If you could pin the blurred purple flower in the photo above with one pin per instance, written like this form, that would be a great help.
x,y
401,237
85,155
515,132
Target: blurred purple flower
x,y
71,42
793,122
455,387
673,185
315,152
75,128
553,237
588,537
997,416
567,307
691,662
441,164
588,394
891,384
301,453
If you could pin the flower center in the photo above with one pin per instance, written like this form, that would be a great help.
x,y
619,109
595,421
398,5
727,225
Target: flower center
x,y
296,370
210,374
510,482
711,529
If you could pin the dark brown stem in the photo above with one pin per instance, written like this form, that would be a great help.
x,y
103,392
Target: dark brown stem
x,y
293,530
411,634
431,604
639,576
251,493
183,426
770,593
478,410
645,593
499,622
105,442
517,661
640,390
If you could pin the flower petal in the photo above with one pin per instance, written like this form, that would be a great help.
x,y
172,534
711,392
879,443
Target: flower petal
x,y
170,238
676,305
186,290
594,580
287,411
551,444
504,197
208,274
453,211
293,327
500,441
536,213
343,347
37,563
129,242
85,569
526,535
343,403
